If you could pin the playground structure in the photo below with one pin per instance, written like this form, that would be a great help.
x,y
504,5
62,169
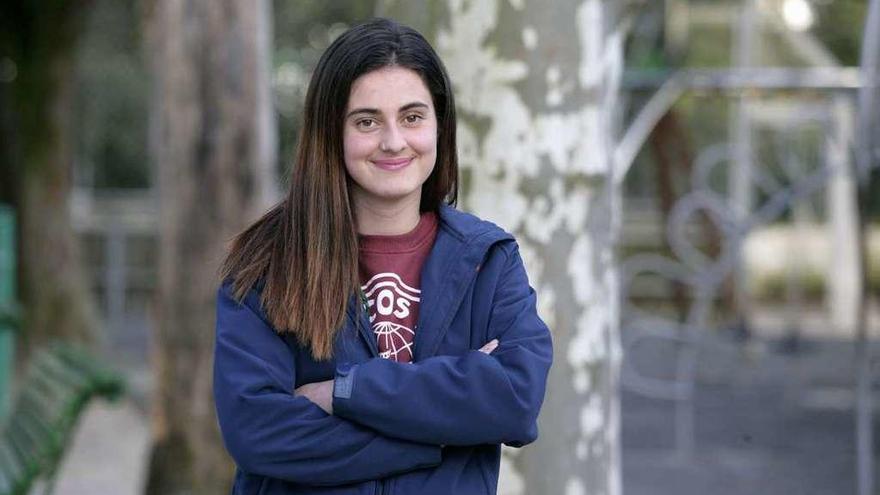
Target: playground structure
x,y
847,114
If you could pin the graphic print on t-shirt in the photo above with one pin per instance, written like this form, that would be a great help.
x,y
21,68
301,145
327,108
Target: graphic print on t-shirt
x,y
392,305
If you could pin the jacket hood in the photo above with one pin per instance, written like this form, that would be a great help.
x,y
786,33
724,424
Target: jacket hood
x,y
466,226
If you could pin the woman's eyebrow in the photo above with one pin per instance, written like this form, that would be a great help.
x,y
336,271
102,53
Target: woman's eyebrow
x,y
368,111
375,111
410,106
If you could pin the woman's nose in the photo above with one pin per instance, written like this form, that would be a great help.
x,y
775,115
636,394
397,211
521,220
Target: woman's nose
x,y
392,140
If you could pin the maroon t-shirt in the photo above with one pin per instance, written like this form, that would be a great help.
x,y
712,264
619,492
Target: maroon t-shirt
x,y
391,272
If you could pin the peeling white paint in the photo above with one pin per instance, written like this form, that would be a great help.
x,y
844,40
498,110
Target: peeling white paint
x,y
547,305
578,207
530,37
573,141
588,345
597,449
518,143
591,418
540,221
574,486
510,143
547,213
581,381
468,146
555,90
557,87
531,259
580,450
615,355
498,200
510,482
589,14
554,97
510,452
580,269
554,75
560,208
485,87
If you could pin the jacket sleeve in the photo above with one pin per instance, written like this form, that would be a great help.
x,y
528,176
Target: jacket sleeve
x,y
270,432
461,400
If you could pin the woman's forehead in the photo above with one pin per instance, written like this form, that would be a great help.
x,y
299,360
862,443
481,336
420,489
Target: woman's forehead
x,y
388,89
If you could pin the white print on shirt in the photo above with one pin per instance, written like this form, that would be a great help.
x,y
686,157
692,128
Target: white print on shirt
x,y
389,298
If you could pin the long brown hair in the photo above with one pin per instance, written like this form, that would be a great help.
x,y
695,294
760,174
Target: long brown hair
x,y
304,251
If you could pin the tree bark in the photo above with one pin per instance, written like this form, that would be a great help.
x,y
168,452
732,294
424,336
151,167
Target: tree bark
x,y
212,139
536,89
38,49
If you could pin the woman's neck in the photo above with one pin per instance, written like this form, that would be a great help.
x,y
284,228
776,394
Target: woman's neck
x,y
380,218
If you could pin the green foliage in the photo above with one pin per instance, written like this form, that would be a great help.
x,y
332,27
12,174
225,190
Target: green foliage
x,y
709,47
839,26
774,286
303,30
36,41
112,98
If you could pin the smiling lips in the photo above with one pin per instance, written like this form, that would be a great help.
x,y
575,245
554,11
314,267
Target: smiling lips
x,y
393,163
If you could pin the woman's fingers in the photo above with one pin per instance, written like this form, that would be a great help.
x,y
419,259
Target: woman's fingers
x,y
321,393
490,346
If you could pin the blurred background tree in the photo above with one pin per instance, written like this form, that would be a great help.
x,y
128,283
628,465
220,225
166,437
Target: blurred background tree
x,y
111,103
75,109
536,94
38,52
838,25
214,148
303,30
678,34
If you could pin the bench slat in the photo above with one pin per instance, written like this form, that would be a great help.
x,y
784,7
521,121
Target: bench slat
x,y
58,385
11,467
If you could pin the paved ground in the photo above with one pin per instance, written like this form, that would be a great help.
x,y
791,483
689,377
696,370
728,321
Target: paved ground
x,y
767,422
108,455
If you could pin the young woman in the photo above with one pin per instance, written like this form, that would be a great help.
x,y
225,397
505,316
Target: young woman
x,y
370,338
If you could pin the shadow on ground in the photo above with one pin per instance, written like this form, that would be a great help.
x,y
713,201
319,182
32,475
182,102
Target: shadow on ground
x,y
767,420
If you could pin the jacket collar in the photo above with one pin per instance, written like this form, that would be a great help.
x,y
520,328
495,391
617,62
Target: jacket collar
x,y
467,226
462,243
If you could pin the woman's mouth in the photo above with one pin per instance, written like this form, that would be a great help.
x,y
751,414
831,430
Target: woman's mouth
x,y
393,163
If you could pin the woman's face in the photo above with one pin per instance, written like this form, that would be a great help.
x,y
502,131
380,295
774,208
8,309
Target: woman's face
x,y
389,136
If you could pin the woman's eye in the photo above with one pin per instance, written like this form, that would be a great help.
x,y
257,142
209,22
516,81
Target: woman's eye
x,y
366,123
412,118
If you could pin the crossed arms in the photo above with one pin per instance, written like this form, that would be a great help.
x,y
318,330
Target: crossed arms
x,y
486,396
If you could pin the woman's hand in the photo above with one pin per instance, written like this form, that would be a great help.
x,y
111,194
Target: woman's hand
x,y
321,393
490,346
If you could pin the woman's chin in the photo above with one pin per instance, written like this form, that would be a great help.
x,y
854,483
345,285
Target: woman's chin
x,y
391,194
398,197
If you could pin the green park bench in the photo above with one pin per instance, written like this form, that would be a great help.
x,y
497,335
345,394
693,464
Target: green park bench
x,y
58,384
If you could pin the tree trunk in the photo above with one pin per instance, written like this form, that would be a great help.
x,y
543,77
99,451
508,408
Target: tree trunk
x,y
39,39
212,139
536,89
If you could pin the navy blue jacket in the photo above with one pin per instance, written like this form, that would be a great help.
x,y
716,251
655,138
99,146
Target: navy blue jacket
x,y
434,426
